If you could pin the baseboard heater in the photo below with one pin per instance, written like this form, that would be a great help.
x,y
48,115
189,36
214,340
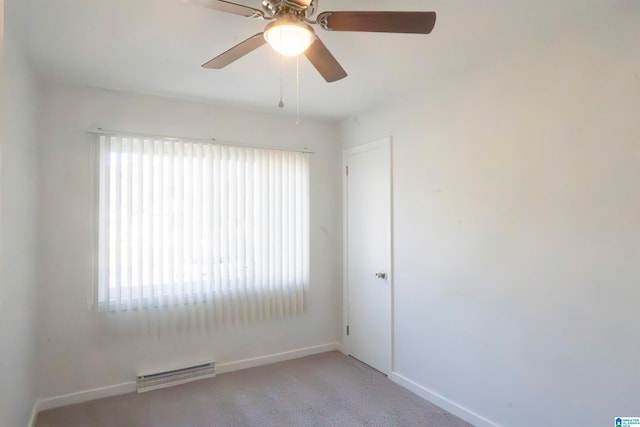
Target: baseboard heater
x,y
174,377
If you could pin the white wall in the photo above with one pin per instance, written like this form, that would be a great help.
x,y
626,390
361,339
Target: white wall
x,y
18,208
80,350
517,230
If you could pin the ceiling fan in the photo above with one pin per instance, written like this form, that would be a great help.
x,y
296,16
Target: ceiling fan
x,y
290,34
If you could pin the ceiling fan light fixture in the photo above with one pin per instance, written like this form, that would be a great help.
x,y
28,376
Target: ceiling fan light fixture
x,y
289,36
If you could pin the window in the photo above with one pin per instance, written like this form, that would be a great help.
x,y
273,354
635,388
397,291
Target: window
x,y
184,223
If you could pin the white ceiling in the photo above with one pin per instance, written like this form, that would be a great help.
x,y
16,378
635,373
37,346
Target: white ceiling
x,y
157,47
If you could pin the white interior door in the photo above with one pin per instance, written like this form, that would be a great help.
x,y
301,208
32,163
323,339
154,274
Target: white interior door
x,y
367,248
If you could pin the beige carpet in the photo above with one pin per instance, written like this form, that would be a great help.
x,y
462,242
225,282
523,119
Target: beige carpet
x,y
328,389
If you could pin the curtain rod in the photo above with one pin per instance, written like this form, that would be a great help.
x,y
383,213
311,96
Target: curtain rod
x,y
102,131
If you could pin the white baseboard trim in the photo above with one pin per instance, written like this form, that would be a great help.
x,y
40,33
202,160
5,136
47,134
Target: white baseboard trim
x,y
442,402
80,397
130,387
252,362
34,415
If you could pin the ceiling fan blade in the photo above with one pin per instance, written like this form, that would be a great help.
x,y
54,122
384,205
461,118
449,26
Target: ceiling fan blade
x,y
236,52
324,61
379,22
228,7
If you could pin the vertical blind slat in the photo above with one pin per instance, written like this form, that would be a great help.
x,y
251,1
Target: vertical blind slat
x,y
117,216
216,238
137,217
169,289
104,212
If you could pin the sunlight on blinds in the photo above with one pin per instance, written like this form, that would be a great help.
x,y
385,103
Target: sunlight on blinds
x,y
184,223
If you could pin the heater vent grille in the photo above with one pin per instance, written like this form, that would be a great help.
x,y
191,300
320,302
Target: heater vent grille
x,y
174,377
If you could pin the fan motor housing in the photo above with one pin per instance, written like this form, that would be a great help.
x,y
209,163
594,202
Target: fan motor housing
x,y
275,7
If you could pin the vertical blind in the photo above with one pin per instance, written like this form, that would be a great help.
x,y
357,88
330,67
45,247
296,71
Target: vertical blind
x,y
186,223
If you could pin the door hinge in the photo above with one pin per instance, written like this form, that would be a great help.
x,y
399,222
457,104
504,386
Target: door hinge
x,y
347,330
346,170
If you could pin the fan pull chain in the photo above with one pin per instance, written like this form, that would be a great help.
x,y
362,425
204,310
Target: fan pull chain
x,y
298,89
281,103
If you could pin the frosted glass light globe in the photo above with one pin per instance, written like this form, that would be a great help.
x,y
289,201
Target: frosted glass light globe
x,y
289,37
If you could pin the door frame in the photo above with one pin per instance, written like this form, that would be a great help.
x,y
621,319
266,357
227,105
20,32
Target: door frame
x,y
384,142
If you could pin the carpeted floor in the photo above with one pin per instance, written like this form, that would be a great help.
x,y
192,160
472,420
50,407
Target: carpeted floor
x,y
328,389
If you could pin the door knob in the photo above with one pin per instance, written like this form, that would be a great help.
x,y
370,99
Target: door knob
x,y
381,275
